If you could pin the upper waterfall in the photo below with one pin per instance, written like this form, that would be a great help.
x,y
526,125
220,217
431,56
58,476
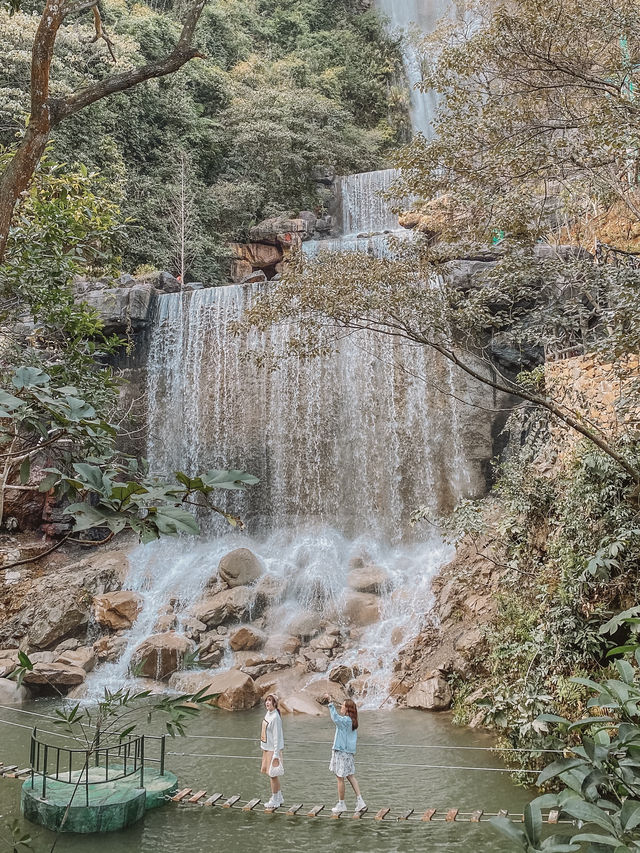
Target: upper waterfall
x,y
412,18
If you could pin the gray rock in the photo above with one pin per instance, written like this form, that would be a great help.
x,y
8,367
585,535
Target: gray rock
x,y
167,283
433,694
240,567
11,693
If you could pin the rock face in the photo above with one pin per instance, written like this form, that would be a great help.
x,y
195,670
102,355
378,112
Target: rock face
x,y
247,639
161,655
240,567
83,658
117,609
236,690
433,694
226,606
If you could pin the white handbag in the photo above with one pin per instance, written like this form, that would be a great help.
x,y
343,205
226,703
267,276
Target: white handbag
x,y
276,771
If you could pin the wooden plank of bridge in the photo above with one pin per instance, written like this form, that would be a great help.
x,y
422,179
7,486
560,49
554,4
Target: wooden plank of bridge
x,y
213,799
503,813
179,797
382,814
196,797
475,816
230,802
358,814
554,815
451,815
428,815
315,811
406,815
295,808
251,805
16,773
5,771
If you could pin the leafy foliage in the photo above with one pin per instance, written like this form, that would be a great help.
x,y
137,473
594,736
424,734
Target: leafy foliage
x,y
285,86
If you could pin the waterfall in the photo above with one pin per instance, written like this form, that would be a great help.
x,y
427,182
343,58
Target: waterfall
x,y
346,447
411,19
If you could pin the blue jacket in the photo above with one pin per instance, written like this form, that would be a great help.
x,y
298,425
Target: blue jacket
x,y
345,738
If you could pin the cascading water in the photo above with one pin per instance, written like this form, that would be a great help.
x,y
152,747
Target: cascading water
x,y
345,447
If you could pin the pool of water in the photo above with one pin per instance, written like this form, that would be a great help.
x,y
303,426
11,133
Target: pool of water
x,y
396,766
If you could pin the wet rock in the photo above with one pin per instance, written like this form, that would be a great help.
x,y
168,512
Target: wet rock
x,y
324,643
226,606
254,277
369,579
317,689
109,649
11,693
247,639
52,675
240,567
84,657
194,629
432,694
306,625
282,682
361,608
117,610
298,703
235,689
342,674
270,590
67,646
161,655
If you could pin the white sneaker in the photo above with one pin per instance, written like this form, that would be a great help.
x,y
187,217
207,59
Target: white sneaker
x,y
339,807
279,798
360,805
271,803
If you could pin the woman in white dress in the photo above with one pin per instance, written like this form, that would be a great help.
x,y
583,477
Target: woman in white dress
x,y
272,744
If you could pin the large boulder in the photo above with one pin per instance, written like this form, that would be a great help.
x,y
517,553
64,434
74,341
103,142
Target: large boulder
x,y
83,657
361,608
240,567
432,694
282,231
227,606
11,693
55,675
109,649
270,589
371,579
305,625
247,639
117,610
259,255
235,690
298,703
161,655
60,619
317,689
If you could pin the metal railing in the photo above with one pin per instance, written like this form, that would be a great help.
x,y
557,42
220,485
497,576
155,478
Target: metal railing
x,y
74,766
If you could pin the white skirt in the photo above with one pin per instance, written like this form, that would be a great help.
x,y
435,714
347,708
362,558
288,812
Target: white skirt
x,y
342,763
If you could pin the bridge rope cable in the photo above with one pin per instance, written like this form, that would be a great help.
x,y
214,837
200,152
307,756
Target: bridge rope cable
x,y
360,763
361,744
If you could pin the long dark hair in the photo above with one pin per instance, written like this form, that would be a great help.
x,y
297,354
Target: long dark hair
x,y
352,710
274,699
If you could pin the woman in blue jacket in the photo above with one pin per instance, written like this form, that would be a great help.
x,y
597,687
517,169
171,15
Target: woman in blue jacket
x,y
343,752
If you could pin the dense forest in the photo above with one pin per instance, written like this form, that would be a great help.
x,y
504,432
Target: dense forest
x,y
282,87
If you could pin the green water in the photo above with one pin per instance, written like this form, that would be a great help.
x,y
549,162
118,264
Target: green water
x,y
231,766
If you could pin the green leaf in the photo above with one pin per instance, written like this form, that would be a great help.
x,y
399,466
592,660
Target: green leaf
x,y
504,826
589,814
25,470
533,823
607,840
48,482
558,767
24,661
28,377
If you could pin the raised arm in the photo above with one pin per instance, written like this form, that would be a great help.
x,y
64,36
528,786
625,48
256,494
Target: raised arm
x,y
337,718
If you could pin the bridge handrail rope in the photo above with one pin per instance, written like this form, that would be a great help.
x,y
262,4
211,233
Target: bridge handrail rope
x,y
361,744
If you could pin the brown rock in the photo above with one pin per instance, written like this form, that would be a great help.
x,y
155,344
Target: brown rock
x,y
371,579
109,648
55,675
258,255
298,703
6,667
270,590
305,625
240,567
341,674
117,610
240,270
361,608
470,641
247,639
324,643
235,690
225,606
433,694
317,689
160,655
84,657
